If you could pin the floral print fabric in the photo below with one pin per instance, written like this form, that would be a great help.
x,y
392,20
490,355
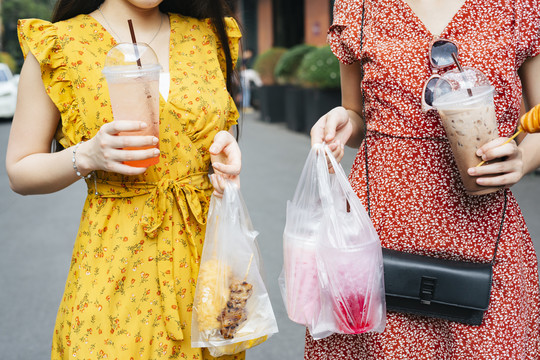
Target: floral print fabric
x,y
418,203
130,287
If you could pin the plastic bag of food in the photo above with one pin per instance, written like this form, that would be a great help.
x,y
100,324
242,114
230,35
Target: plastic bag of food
x,y
231,308
332,279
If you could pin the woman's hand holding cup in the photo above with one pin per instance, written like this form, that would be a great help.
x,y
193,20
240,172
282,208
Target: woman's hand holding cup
x,y
105,151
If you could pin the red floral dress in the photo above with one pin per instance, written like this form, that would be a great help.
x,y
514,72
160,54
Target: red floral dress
x,y
418,202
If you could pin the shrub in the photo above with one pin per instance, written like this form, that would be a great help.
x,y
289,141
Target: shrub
x,y
320,69
266,62
7,59
287,66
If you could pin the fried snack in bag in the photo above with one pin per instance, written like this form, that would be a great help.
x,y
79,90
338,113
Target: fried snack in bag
x,y
232,310
211,300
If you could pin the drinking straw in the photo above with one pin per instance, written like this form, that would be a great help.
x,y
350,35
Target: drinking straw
x,y
454,56
506,142
134,40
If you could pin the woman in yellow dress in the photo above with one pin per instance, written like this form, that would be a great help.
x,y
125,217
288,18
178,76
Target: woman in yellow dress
x,y
130,286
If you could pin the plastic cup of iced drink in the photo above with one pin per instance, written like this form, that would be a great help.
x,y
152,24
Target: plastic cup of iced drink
x,y
302,282
355,282
132,73
468,116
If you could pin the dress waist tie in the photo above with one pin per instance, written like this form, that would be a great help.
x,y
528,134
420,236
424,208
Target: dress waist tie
x,y
189,195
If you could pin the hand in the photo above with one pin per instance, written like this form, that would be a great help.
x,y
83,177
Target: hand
x,y
104,151
334,128
226,160
506,172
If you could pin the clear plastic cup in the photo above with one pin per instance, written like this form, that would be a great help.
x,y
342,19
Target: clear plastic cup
x,y
302,281
132,73
354,281
464,101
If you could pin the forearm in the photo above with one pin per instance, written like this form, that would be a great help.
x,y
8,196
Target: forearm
x,y
351,99
357,134
43,173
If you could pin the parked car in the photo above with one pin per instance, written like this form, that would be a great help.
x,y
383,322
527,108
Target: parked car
x,y
8,92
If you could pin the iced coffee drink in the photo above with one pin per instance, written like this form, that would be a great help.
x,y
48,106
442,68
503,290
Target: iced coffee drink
x,y
469,121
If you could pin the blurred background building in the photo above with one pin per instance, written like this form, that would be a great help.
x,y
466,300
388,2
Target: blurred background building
x,y
283,23
265,23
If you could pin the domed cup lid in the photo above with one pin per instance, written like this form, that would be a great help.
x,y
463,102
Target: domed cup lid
x,y
131,57
466,87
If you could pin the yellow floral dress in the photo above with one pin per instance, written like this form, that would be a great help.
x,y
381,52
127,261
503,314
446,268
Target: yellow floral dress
x,y
132,278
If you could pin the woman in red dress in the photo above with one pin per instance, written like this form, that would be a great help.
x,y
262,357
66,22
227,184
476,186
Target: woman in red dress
x,y
417,200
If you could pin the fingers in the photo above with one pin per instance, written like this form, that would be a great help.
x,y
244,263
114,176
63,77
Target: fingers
x,y
506,167
115,127
337,118
220,182
122,142
505,172
231,169
497,148
338,151
118,156
318,130
112,146
225,154
327,128
221,141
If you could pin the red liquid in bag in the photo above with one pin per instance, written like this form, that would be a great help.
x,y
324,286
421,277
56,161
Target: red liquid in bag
x,y
351,314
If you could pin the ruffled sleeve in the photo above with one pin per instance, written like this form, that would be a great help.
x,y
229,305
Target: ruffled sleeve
x,y
41,38
344,34
234,34
527,29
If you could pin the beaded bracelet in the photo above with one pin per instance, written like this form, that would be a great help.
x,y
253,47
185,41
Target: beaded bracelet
x,y
74,161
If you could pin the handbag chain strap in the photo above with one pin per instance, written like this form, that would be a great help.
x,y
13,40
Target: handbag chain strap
x,y
366,139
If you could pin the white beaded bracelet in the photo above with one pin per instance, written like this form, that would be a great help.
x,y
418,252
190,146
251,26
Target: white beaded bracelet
x,y
74,161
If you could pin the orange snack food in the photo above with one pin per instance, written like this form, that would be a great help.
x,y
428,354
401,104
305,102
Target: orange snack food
x,y
530,122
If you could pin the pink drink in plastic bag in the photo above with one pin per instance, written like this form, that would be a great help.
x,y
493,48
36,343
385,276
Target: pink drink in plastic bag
x,y
352,276
303,302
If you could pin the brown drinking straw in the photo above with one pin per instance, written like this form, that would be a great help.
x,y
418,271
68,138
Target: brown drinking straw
x,y
454,56
132,31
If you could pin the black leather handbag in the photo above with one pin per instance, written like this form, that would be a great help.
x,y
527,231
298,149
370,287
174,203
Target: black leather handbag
x,y
457,291
453,290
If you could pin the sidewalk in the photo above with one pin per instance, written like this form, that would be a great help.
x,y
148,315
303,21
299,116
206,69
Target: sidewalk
x,y
38,234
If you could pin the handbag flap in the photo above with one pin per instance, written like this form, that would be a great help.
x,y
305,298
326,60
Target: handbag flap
x,y
432,280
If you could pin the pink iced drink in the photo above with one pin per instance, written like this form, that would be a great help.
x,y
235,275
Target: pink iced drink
x,y
132,73
137,99
355,286
302,283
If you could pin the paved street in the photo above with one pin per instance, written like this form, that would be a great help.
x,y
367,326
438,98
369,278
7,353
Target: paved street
x,y
38,233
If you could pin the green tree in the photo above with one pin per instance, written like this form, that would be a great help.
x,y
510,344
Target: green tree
x,y
12,10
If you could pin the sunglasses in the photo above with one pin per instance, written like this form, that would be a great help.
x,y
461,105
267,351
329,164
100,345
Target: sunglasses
x,y
441,52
